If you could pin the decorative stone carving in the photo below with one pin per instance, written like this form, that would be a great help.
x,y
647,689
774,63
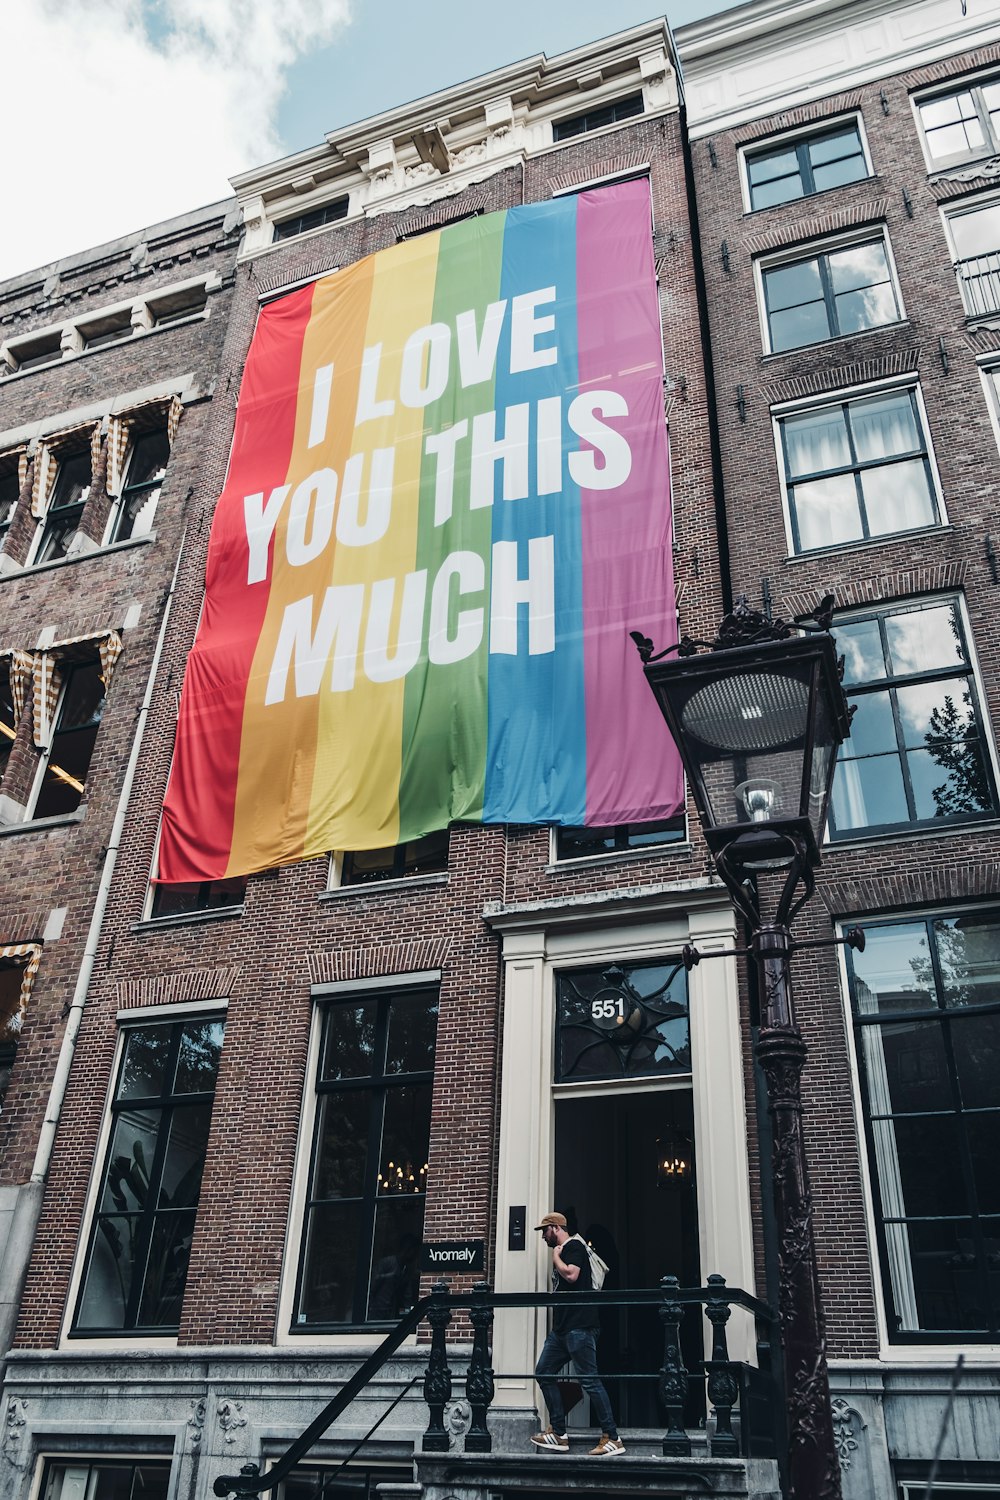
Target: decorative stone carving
x,y
196,1421
469,154
457,1421
848,1426
230,1418
988,168
420,171
14,1424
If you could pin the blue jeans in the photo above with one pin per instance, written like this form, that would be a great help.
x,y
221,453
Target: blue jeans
x,y
579,1347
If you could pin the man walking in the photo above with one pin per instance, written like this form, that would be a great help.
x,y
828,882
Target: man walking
x,y
573,1338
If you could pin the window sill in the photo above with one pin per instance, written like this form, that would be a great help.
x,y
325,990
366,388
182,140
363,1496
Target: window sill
x,y
66,562
904,833
42,825
376,887
837,548
770,355
187,918
616,856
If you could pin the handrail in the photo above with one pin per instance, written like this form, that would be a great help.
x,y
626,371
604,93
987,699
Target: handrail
x,y
251,1482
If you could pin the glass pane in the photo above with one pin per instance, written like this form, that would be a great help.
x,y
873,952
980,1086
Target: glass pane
x,y
858,266
860,644
827,512
206,895
426,855
976,233
198,1059
65,778
83,701
184,1162
946,1276
928,1154
817,442
969,957
872,728
130,1160
838,173
108,1282
945,111
894,972
921,640
868,793
406,1134
669,831
779,190
350,1041
770,164
950,782
11,1017
368,864
898,497
333,1242
399,1225
936,713
144,1061
790,286
149,459
622,1021
833,147
342,1144
800,325
166,1270
72,483
412,1028
955,140
859,310
907,1068
983,1132
884,428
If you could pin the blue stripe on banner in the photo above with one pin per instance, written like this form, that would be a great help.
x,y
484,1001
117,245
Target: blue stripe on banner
x,y
536,753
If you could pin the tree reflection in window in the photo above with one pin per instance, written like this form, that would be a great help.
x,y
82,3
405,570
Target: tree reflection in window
x,y
622,1020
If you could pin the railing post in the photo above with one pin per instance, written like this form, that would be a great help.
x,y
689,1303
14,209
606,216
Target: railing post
x,y
479,1379
723,1388
673,1375
437,1376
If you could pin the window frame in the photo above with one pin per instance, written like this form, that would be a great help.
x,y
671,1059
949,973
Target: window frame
x,y
989,374
895,1343
118,508
596,109
622,846
280,233
340,860
963,209
198,914
796,138
38,541
179,1014
51,1461
970,85
819,250
925,826
45,755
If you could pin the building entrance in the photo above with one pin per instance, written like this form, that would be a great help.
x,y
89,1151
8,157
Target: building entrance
x,y
624,1177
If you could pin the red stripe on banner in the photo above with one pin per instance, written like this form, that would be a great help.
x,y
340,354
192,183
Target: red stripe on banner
x,y
198,810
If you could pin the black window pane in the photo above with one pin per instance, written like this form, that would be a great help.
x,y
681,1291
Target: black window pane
x,y
10,1002
395,1271
984,1150
622,1021
928,1155
144,1062
349,1051
65,777
166,1270
112,1264
406,1132
191,896
950,781
342,1144
412,1028
968,950
912,1058
198,1057
184,1162
130,1160
150,453
333,1241
422,856
72,482
947,1277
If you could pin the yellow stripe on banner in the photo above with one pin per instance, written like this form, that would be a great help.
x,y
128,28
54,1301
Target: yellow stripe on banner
x,y
278,746
360,733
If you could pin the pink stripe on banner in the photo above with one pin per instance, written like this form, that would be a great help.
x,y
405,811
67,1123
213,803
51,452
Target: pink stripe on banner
x,y
634,773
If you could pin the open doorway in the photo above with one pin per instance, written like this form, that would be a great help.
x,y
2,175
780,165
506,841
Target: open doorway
x,y
611,1184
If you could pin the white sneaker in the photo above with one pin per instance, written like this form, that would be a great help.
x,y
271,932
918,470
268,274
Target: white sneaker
x,y
555,1442
607,1447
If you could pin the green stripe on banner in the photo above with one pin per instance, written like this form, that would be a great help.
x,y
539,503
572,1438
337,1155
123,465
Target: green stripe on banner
x,y
445,702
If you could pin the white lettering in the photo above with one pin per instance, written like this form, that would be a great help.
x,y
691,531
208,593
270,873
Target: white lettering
x,y
548,450
302,549
477,357
350,528
443,444
322,386
380,666
339,625
582,418
424,372
468,571
537,591
369,406
511,450
260,521
526,327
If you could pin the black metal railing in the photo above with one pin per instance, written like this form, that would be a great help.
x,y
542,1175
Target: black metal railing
x,y
979,283
735,1390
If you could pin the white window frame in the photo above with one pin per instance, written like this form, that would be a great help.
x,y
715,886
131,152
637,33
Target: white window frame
x,y
178,1011
989,374
951,212
779,412
284,1337
894,1353
943,90
633,852
794,138
809,251
108,538
80,1460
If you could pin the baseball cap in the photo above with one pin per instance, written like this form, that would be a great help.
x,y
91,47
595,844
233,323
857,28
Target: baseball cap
x,y
556,1221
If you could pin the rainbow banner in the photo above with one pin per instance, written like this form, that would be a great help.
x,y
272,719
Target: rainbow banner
x,y
447,504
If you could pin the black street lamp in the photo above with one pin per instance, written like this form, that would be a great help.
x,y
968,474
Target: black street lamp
x,y
757,716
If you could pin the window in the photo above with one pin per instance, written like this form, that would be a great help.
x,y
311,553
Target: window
x,y
44,350
107,330
147,465
184,303
576,843
856,469
423,856
963,124
105,1479
597,118
625,1020
62,774
926,1001
797,168
188,897
140,1241
359,1481
829,294
10,1020
8,723
364,1214
316,218
69,496
975,235
916,753
9,491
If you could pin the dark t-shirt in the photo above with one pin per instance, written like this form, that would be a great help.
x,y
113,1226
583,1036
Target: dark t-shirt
x,y
566,1318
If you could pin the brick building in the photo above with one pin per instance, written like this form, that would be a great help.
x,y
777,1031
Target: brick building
x,y
198,1289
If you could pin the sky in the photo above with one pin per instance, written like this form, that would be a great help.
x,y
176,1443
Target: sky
x,y
123,112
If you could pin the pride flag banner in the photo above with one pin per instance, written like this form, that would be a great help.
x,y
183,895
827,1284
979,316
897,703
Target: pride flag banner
x,y
448,502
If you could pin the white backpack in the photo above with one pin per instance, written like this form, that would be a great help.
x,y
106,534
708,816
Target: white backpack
x,y
598,1267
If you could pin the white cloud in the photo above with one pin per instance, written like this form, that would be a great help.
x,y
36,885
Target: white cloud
x,y
121,112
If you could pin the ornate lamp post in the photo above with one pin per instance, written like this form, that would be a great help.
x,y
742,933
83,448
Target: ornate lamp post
x,y
757,716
